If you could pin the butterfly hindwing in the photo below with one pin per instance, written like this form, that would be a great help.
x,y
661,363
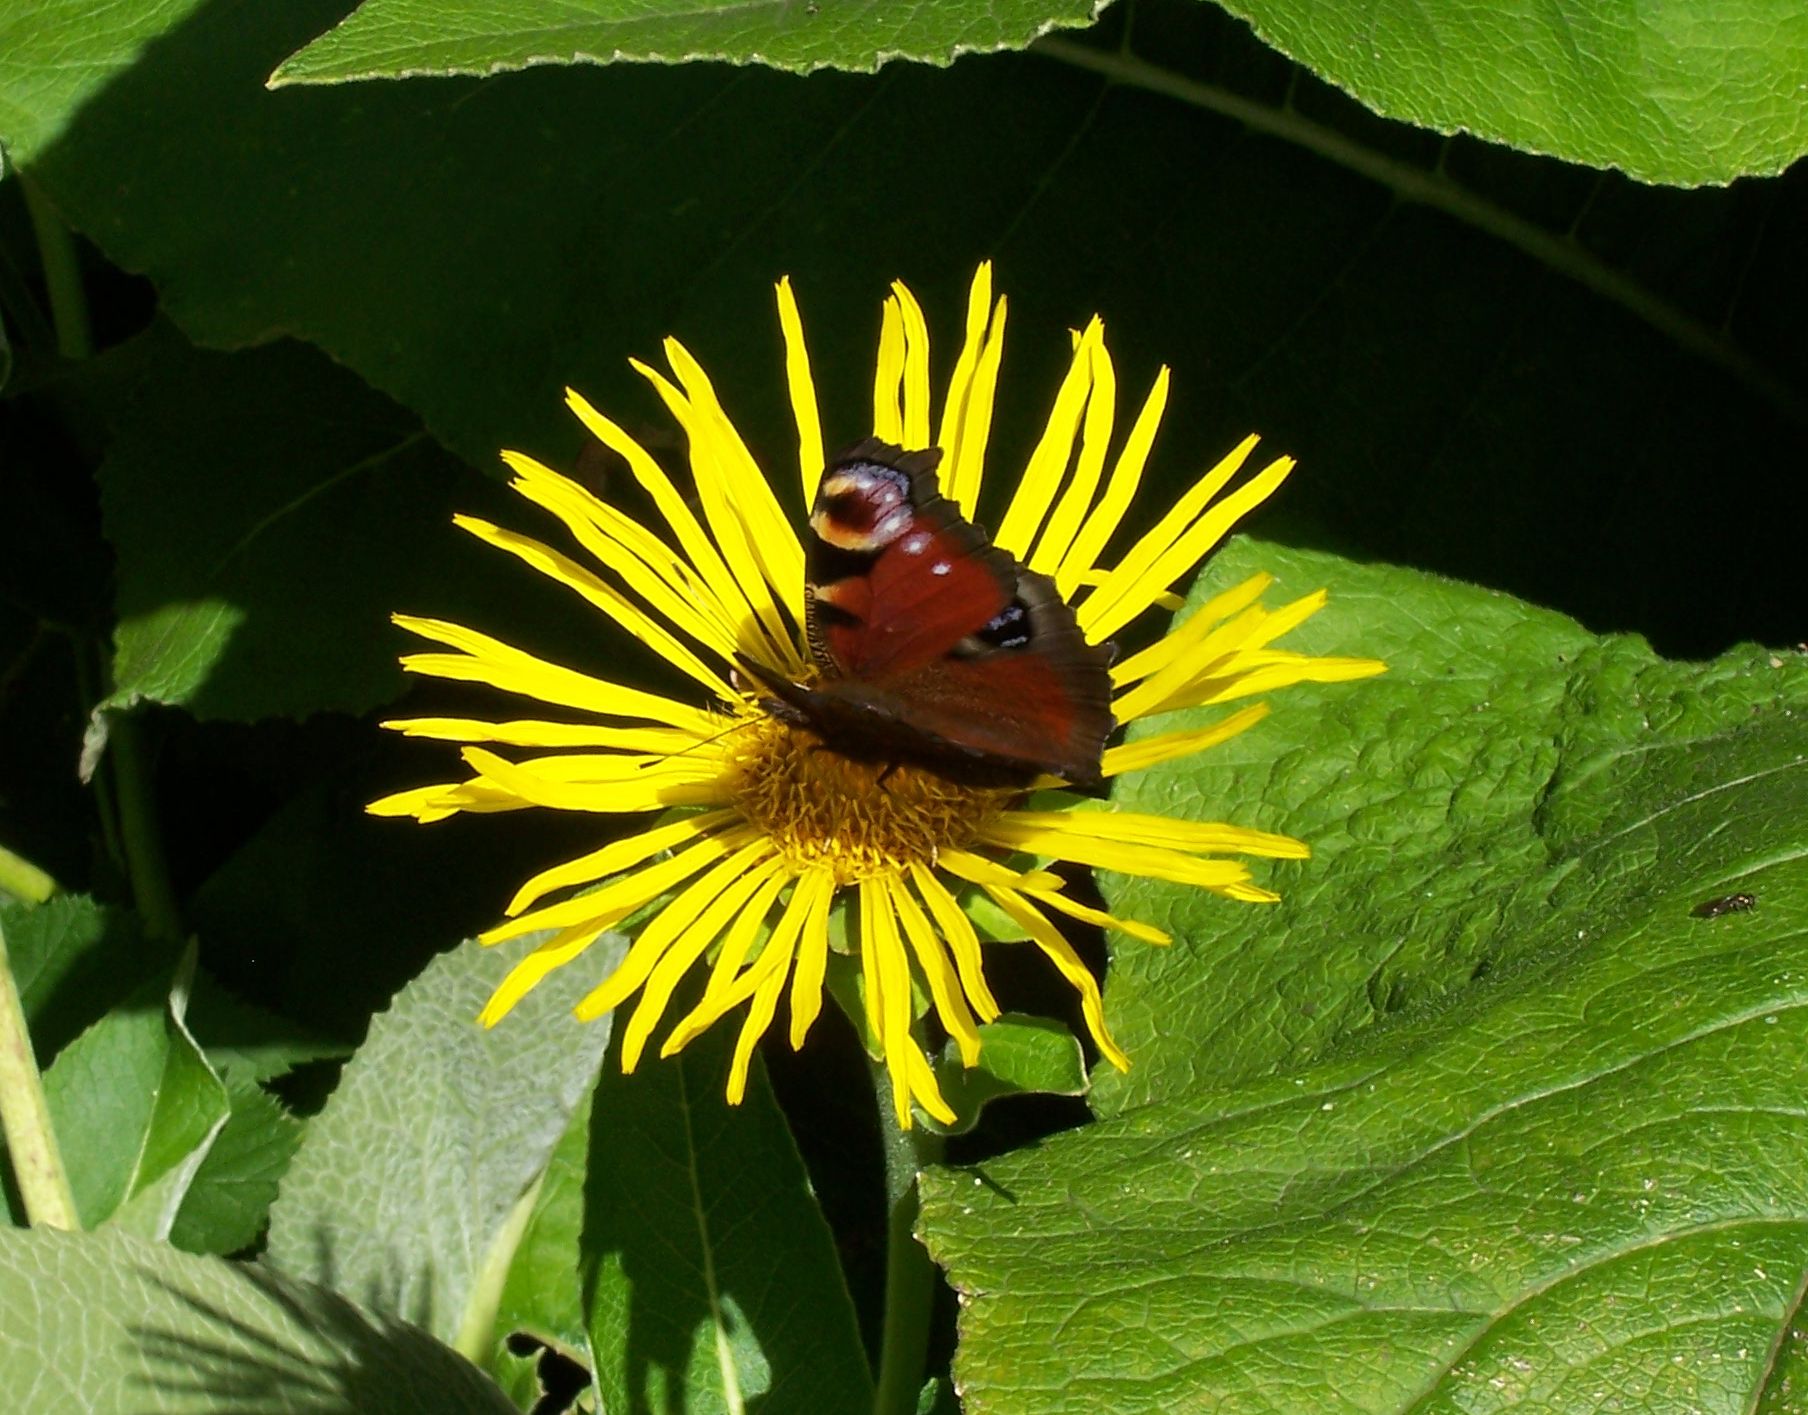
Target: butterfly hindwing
x,y
935,646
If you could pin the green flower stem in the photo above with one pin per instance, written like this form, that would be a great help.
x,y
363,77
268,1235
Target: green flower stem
x,y
24,880
910,1275
152,891
62,275
25,1116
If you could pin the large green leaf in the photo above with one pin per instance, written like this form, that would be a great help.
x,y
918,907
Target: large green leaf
x,y
268,511
398,38
471,247
72,957
56,54
1695,91
108,1324
406,1193
713,1283
135,1107
1485,1116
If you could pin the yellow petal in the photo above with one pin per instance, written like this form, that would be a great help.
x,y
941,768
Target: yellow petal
x,y
527,732
604,597
1120,489
482,659
1128,595
1048,463
1070,511
812,958
802,386
759,1017
743,902
700,550
525,975
617,856
1137,828
1152,861
964,478
962,939
1048,938
674,781
649,567
666,926
1098,918
1167,746
716,455
888,376
1103,612
882,944
805,914
932,962
1185,639
960,382
620,898
923,1089
916,368
977,869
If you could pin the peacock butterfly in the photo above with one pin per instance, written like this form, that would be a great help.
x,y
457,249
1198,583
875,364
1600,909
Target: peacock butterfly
x,y
933,646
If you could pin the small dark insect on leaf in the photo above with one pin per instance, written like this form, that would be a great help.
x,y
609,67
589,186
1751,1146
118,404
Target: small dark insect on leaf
x,y
1725,904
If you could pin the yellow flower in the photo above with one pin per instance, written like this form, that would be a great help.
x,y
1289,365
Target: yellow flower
x,y
758,830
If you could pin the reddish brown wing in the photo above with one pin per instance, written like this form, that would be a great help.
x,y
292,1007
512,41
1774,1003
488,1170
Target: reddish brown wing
x,y
937,647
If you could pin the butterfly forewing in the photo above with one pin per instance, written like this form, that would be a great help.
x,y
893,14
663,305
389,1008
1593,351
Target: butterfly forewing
x,y
935,646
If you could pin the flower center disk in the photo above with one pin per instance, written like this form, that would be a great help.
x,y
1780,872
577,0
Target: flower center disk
x,y
825,811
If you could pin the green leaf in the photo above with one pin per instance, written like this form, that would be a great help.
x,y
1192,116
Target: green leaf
x,y
541,1296
406,1192
401,38
268,512
1483,1116
1699,91
589,212
106,1323
1019,1055
229,1200
55,55
714,1278
135,1107
72,957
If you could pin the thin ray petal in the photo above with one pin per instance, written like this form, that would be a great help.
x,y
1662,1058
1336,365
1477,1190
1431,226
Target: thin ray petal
x,y
1146,752
1120,489
1048,463
960,382
1100,613
613,604
665,927
962,939
617,856
888,377
812,958
916,368
620,898
482,659
1098,918
753,891
963,480
802,387
1057,537
1047,937
938,972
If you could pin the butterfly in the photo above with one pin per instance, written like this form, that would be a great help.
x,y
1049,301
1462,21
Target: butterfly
x,y
933,646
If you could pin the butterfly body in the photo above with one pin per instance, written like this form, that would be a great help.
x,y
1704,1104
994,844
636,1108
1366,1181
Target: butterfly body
x,y
933,646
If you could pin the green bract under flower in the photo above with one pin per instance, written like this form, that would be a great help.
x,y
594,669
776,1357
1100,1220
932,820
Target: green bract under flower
x,y
783,827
